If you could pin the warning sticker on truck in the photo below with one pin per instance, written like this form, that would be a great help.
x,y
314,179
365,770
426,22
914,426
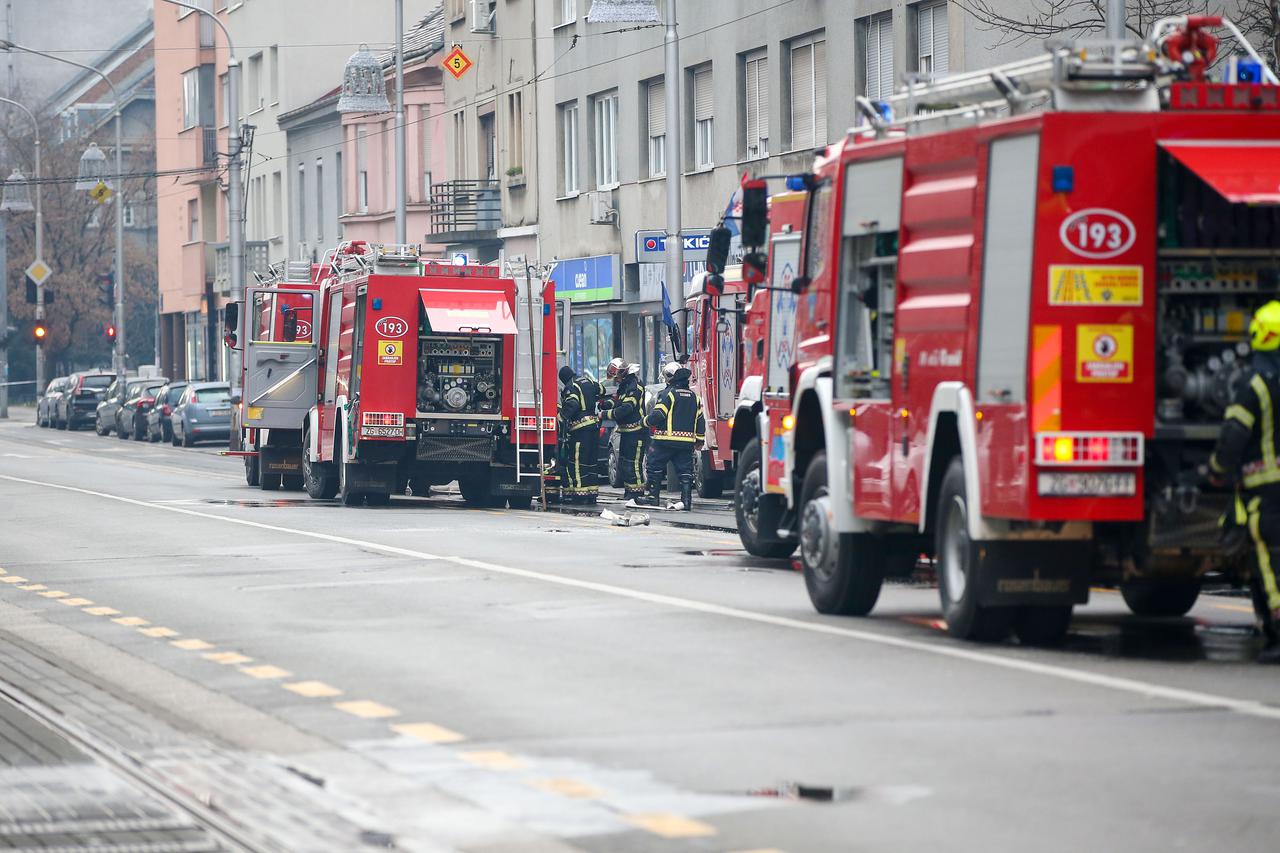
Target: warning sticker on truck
x,y
390,352
1095,285
1104,353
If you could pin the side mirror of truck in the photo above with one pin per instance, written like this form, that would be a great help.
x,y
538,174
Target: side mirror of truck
x,y
231,317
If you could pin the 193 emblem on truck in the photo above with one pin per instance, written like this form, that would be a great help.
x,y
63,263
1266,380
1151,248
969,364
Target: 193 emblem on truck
x,y
391,327
1097,232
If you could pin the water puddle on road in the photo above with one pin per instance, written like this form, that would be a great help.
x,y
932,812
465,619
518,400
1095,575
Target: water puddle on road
x,y
895,794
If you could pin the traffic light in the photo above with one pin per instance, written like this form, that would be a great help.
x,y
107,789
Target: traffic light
x,y
111,331
107,287
38,333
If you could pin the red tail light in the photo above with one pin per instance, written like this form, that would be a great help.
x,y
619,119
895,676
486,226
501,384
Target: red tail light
x,y
166,409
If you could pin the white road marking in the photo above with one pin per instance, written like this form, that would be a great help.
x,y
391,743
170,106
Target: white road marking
x,y
1146,689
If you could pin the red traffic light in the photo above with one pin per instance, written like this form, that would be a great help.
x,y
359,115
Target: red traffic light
x,y
111,333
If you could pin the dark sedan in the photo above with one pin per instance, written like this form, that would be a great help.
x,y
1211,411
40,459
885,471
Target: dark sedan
x,y
158,426
141,395
106,416
77,406
204,414
46,406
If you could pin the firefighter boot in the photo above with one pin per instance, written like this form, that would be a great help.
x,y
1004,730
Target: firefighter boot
x,y
686,491
652,495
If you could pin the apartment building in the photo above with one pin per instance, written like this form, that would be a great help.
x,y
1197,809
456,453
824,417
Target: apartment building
x,y
762,84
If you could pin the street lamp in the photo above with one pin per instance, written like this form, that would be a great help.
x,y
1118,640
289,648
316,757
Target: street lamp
x,y
119,308
93,169
235,206
5,204
16,196
365,91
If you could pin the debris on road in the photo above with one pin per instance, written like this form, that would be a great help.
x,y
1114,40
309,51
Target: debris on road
x,y
630,519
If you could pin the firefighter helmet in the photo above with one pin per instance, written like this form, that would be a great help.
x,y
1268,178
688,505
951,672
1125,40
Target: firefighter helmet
x,y
615,367
669,369
1264,328
633,370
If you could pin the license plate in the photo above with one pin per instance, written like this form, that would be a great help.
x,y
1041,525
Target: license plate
x,y
217,413
1076,483
382,432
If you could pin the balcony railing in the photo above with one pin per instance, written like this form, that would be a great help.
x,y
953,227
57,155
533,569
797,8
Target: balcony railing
x,y
209,146
255,261
459,207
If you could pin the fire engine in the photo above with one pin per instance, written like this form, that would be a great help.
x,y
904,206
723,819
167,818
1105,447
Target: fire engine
x,y
1020,306
277,377
427,373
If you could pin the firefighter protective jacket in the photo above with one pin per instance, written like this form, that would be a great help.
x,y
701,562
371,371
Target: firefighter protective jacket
x,y
578,403
628,405
1247,441
677,416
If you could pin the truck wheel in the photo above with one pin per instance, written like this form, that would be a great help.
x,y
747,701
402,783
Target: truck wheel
x,y
317,477
1042,626
251,471
748,496
957,564
710,482
1160,598
840,570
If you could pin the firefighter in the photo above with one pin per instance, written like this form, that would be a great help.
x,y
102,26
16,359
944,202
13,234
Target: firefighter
x,y
581,425
1246,456
626,407
678,427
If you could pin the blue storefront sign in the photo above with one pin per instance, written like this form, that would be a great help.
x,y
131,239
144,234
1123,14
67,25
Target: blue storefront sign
x,y
594,279
651,246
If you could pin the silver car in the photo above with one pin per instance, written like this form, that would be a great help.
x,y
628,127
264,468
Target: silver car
x,y
203,413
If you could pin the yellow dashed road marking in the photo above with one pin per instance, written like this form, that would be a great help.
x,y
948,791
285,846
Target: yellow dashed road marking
x,y
191,645
670,825
158,633
265,671
313,689
567,788
101,611
75,602
1238,608
227,657
33,587
54,593
494,760
12,579
365,709
431,733
131,621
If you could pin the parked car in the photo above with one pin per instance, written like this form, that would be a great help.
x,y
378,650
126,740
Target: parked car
x,y
46,405
77,405
141,395
158,426
108,408
202,414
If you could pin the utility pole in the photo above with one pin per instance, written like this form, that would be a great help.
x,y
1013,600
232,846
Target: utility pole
x,y
1115,20
401,176
4,320
675,162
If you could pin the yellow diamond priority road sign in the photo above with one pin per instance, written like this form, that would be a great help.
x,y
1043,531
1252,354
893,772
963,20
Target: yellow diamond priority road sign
x,y
39,271
457,63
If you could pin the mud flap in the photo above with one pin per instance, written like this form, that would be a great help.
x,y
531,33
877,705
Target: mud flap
x,y
1033,572
280,460
371,477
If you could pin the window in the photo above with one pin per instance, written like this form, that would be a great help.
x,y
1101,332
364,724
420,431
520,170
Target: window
x,y
515,131
569,148
593,343
808,93
879,57
320,200
568,11
755,107
254,89
277,204
459,145
605,112
656,95
425,142
362,170
702,117
489,146
301,228
275,74
193,220
129,212
931,39
224,89
190,98
457,8
340,189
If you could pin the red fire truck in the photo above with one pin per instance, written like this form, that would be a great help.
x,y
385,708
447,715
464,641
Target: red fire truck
x,y
428,373
1020,307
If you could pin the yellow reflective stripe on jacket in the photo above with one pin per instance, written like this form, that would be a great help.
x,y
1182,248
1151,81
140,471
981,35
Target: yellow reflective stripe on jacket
x,y
1268,421
1240,413
1266,570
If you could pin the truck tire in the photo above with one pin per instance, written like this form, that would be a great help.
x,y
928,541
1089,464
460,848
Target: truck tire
x,y
520,501
1042,626
1160,598
317,477
747,495
957,560
710,482
251,472
841,572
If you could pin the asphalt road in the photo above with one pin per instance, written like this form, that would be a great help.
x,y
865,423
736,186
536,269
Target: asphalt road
x,y
502,680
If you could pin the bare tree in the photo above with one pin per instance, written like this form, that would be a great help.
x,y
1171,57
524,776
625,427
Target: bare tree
x,y
1019,23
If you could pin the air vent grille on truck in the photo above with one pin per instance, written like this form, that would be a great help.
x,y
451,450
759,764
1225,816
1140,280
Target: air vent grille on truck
x,y
433,448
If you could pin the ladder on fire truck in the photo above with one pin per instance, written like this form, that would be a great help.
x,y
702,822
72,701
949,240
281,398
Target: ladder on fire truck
x,y
530,412
1082,75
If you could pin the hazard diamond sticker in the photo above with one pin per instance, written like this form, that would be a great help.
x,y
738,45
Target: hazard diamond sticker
x,y
457,63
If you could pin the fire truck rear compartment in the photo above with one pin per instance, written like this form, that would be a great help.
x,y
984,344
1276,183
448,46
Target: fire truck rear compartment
x,y
1216,263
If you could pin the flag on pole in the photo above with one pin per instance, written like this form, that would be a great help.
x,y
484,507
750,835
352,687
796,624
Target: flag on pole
x,y
667,319
623,12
